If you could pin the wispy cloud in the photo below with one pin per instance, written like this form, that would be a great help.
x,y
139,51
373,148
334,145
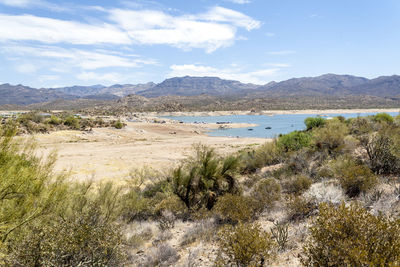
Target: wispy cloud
x,y
48,30
33,3
281,53
241,2
111,77
260,76
86,60
26,68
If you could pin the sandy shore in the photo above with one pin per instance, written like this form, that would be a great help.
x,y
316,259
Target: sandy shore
x,y
271,112
108,153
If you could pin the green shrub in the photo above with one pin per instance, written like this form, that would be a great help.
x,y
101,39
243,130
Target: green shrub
x,y
266,192
298,184
312,123
294,141
267,154
202,179
54,120
331,137
351,236
244,245
235,208
354,178
383,117
135,206
81,232
28,188
72,122
119,125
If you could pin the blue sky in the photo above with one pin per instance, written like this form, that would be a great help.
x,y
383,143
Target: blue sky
x,y
60,43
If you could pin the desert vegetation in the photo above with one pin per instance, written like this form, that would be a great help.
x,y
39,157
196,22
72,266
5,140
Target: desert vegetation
x,y
44,122
325,196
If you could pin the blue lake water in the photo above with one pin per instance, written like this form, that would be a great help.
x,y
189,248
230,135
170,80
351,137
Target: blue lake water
x,y
280,124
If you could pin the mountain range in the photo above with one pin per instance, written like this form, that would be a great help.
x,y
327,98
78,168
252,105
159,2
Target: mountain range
x,y
325,85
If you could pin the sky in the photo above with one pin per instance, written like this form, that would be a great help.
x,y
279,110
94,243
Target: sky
x,y
63,43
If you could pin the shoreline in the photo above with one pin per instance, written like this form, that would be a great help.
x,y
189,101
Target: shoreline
x,y
266,112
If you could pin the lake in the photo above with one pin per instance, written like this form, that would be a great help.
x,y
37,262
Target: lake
x,y
278,124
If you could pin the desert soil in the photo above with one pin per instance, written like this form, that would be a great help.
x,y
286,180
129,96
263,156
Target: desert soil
x,y
108,153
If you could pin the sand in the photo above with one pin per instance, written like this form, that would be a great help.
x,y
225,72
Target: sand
x,y
108,153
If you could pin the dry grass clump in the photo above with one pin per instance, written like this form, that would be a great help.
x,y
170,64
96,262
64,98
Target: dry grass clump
x,y
162,255
266,192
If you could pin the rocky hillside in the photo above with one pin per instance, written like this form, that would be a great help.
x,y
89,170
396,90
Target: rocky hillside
x,y
328,85
190,86
24,95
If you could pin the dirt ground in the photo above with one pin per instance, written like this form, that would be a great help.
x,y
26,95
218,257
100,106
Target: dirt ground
x,y
108,153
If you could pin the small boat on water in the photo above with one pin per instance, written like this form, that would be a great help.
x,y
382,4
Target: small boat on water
x,y
268,128
250,129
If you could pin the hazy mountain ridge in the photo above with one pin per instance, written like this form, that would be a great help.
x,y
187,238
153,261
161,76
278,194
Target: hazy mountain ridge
x,y
190,86
324,85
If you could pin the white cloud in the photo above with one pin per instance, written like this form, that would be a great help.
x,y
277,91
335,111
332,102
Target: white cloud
x,y
241,2
47,30
281,53
33,3
101,77
86,60
221,14
46,78
211,30
261,76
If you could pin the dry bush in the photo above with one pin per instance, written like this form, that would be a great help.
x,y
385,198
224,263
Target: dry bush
x,y
235,208
297,184
299,162
266,192
353,177
204,230
325,191
352,236
160,256
244,245
299,207
166,220
383,150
